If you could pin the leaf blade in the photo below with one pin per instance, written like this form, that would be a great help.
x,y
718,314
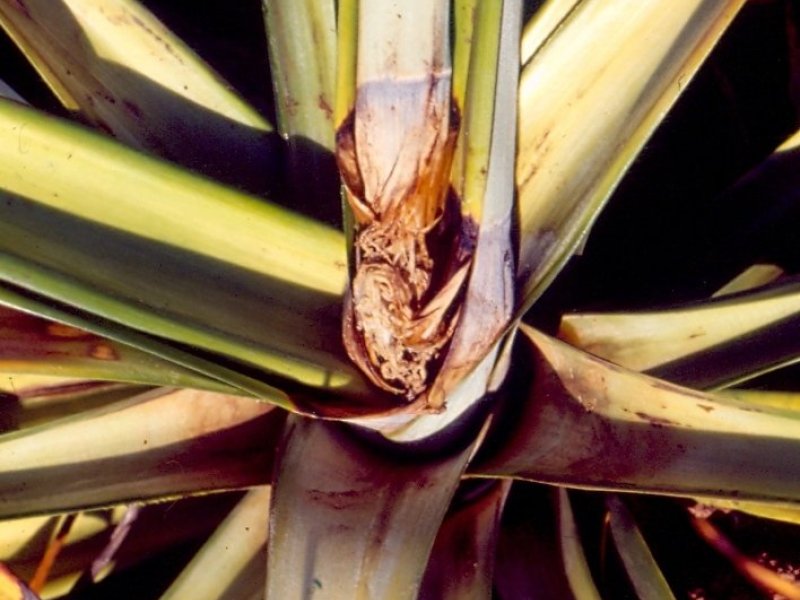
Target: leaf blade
x,y
117,66
329,485
278,267
232,563
576,140
646,577
156,445
36,346
598,426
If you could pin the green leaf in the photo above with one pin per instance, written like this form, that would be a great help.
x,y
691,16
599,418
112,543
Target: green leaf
x,y
159,444
35,400
475,97
35,386
786,400
33,345
543,24
707,345
576,568
351,520
232,563
302,54
346,58
752,278
785,514
647,579
47,308
211,268
120,69
464,14
590,96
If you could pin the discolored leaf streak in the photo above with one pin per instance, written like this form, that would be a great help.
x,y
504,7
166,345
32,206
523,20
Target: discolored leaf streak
x,y
412,247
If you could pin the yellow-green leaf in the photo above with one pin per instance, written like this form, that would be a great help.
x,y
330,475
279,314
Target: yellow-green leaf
x,y
119,68
590,96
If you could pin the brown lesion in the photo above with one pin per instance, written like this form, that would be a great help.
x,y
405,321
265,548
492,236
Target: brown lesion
x,y
60,330
104,352
411,255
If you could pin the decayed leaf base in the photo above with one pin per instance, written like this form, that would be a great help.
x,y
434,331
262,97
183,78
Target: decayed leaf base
x,y
412,247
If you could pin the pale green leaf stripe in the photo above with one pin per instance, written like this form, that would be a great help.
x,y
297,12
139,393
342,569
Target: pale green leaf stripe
x,y
168,326
35,386
105,36
647,579
464,22
543,24
643,340
232,564
346,58
489,193
156,445
157,249
750,279
479,128
575,566
128,365
785,514
302,54
786,400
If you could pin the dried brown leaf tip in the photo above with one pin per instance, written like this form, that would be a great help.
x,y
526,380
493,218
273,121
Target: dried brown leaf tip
x,y
412,249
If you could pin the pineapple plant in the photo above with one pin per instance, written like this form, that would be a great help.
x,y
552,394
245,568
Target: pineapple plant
x,y
330,346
